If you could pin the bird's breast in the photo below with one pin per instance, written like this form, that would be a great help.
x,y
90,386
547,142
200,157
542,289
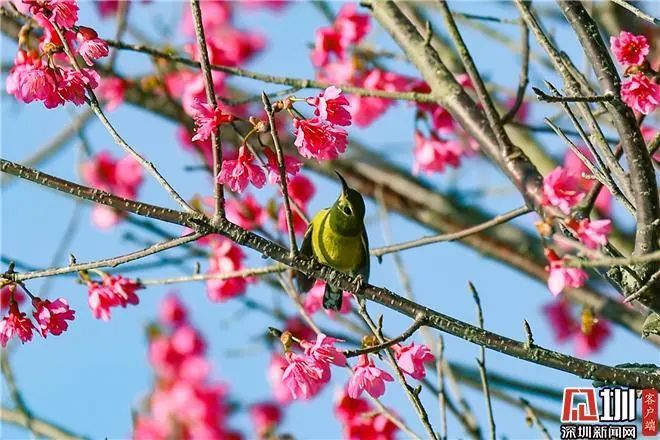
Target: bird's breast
x,y
341,252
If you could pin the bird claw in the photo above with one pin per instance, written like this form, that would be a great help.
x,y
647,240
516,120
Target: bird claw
x,y
359,282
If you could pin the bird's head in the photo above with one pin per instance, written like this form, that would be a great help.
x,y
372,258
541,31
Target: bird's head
x,y
347,213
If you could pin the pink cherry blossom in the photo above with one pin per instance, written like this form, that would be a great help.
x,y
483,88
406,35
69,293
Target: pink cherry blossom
x,y
367,377
291,166
237,173
566,326
562,276
9,291
314,300
225,257
111,90
593,233
324,350
301,189
275,371
91,47
100,299
214,16
561,320
265,417
29,79
52,316
560,189
411,359
232,47
303,376
246,212
123,288
629,49
433,154
366,109
348,409
172,311
105,217
328,41
371,426
207,119
15,324
64,13
641,94
320,140
338,72
574,165
351,25
586,344
331,106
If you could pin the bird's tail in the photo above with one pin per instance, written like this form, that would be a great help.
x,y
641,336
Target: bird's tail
x,y
332,298
304,282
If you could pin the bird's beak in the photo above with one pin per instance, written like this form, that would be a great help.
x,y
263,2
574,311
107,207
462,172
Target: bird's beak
x,y
344,185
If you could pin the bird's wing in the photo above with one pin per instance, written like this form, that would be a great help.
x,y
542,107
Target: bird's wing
x,y
304,282
365,267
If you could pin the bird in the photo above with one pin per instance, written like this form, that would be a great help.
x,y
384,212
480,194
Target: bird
x,y
336,237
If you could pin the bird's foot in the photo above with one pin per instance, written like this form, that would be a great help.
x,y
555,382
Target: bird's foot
x,y
359,282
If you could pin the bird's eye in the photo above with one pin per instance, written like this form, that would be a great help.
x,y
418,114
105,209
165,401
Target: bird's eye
x,y
347,210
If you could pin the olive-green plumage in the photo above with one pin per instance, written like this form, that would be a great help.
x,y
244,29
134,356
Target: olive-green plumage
x,y
337,238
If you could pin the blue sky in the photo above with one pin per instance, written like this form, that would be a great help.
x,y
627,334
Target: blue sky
x,y
89,379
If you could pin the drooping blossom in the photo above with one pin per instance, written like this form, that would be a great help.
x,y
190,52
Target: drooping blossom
x,y
641,94
629,49
562,276
302,376
225,257
113,291
246,212
314,300
328,41
352,26
172,311
433,154
265,417
9,291
574,165
411,359
332,106
90,46
237,173
207,119
566,326
64,13
52,316
366,109
291,166
179,354
318,139
229,46
367,377
124,289
348,28
15,324
324,352
274,372
359,422
111,90
593,233
560,189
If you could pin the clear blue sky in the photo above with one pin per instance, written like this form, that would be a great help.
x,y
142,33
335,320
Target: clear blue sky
x,y
89,379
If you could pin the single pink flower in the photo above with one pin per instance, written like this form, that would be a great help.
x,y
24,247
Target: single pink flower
x,y
351,25
562,276
411,359
291,166
100,299
331,106
303,376
324,351
123,288
561,320
52,315
629,49
105,217
348,409
565,326
641,94
246,212
29,79
328,41
91,47
320,140
586,344
301,189
265,417
225,257
367,377
366,109
560,189
64,13
275,371
172,311
207,119
433,154
237,173
15,324
371,426
6,293
593,233
112,90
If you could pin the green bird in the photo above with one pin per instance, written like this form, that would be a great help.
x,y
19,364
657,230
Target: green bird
x,y
337,238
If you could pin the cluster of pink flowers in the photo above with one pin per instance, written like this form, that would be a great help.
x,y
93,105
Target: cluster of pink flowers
x,y
237,173
433,154
561,190
112,291
640,92
50,316
349,28
565,326
360,421
42,74
225,256
122,177
185,402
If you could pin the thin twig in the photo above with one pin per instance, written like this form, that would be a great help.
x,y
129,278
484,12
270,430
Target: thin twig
x,y
243,273
524,75
482,363
637,12
533,418
384,250
542,96
441,388
219,194
417,323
